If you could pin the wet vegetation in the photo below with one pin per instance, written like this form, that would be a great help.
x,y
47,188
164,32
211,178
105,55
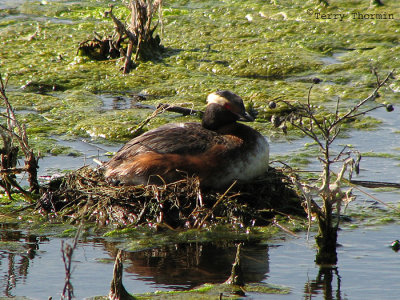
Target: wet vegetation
x,y
136,36
267,52
84,195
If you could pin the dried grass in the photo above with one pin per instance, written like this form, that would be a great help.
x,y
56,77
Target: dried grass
x,y
85,195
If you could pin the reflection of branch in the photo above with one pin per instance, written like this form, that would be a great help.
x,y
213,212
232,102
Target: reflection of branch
x,y
10,277
323,282
67,252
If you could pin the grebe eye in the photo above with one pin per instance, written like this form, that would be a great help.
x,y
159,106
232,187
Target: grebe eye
x,y
227,106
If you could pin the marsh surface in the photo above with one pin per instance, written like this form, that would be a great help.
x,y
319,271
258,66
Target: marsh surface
x,y
76,109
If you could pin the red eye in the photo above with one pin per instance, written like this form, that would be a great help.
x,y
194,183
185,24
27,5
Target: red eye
x,y
227,106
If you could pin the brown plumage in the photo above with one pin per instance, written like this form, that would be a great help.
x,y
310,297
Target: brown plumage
x,y
218,151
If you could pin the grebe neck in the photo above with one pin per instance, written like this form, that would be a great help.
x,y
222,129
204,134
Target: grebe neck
x,y
217,116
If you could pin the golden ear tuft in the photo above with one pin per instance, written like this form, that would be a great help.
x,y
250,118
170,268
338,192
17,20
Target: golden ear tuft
x,y
218,99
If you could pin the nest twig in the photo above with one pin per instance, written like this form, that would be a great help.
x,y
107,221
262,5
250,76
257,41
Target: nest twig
x,y
85,195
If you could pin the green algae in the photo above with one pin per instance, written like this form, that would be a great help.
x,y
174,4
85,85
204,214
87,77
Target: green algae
x,y
381,154
260,50
14,247
214,291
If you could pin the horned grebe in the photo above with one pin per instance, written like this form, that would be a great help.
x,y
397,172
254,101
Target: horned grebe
x,y
218,151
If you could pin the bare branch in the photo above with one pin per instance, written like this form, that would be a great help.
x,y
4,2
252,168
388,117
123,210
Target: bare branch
x,y
372,96
337,109
9,133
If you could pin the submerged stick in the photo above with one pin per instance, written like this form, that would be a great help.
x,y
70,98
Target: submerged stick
x,y
236,277
117,290
375,184
179,109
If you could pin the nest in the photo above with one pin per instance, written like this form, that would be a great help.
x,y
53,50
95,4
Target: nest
x,y
85,195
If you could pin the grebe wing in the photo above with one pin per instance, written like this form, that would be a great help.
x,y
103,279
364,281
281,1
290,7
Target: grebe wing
x,y
173,138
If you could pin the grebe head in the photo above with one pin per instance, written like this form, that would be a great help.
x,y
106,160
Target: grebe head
x,y
224,107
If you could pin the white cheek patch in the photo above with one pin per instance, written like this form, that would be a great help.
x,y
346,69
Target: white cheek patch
x,y
215,98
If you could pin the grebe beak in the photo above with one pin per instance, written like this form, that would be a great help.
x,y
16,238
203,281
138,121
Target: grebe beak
x,y
246,117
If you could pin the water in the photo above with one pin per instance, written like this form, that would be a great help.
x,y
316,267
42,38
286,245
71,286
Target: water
x,y
366,269
118,102
334,59
38,270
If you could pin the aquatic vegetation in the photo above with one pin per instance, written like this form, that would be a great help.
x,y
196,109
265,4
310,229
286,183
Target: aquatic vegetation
x,y
137,36
263,50
258,49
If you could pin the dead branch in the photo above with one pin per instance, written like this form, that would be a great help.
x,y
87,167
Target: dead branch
x,y
375,184
371,97
117,290
236,277
11,132
324,132
179,109
138,32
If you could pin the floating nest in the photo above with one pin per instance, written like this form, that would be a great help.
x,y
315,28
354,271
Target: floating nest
x,y
85,195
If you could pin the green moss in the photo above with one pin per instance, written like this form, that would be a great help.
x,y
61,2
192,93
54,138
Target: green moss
x,y
259,49
70,232
373,216
266,289
12,246
382,155
366,123
211,291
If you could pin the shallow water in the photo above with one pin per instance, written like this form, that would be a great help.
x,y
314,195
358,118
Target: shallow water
x,y
366,269
32,266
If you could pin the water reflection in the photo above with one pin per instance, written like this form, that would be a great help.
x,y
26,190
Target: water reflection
x,y
16,256
324,283
118,102
366,268
26,260
185,266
